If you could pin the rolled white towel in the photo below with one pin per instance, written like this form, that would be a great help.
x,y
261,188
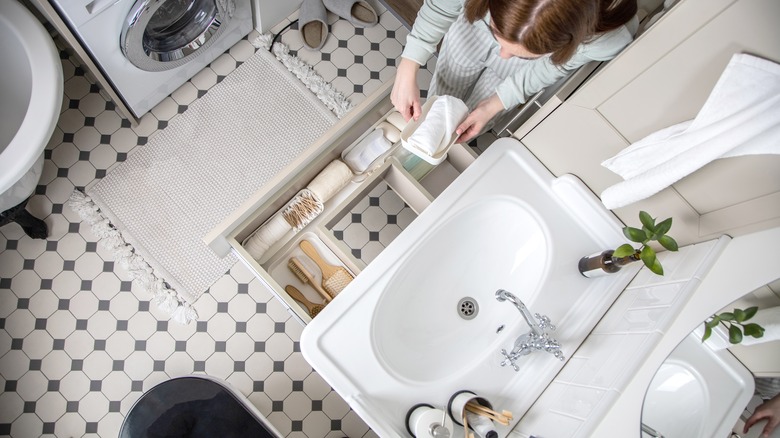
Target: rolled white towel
x,y
435,131
333,178
265,236
367,150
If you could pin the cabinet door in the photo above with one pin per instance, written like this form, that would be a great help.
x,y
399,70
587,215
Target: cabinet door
x,y
663,79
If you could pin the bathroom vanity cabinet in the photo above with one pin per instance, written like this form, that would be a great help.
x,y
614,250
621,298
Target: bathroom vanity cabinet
x,y
417,187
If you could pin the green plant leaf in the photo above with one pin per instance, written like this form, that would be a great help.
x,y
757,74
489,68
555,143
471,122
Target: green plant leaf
x,y
739,315
651,261
635,234
663,227
668,243
727,316
735,334
647,221
707,333
624,250
750,312
713,322
753,330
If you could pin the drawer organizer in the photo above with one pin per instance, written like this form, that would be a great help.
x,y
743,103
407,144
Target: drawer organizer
x,y
314,248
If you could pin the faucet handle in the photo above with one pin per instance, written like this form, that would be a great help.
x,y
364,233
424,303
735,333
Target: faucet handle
x,y
510,359
544,322
552,346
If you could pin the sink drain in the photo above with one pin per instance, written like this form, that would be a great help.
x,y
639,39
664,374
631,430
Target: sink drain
x,y
468,308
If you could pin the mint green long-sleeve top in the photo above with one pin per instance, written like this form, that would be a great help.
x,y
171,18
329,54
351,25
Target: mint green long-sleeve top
x,y
436,16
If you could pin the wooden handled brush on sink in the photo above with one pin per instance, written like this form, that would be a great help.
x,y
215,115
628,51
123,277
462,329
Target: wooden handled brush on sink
x,y
334,278
306,277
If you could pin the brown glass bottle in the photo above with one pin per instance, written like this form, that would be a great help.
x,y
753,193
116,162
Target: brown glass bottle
x,y
600,264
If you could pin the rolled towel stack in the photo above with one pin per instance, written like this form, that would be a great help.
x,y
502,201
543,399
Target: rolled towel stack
x,y
301,210
435,131
333,178
265,236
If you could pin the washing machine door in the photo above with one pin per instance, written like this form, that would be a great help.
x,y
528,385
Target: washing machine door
x,y
164,34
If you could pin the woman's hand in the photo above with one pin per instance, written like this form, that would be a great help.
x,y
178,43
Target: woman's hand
x,y
770,411
406,95
477,119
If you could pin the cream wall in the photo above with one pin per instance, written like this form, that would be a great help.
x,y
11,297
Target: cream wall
x,y
662,79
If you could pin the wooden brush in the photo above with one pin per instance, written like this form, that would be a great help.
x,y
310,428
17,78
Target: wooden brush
x,y
313,308
305,276
334,278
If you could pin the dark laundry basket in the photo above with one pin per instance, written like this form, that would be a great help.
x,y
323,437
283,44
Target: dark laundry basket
x,y
195,407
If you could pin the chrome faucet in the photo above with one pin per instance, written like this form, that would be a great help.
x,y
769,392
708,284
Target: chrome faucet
x,y
536,339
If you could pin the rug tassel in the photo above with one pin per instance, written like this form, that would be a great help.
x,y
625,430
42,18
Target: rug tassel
x,y
141,272
333,99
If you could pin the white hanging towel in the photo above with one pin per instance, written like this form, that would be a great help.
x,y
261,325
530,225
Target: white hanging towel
x,y
740,117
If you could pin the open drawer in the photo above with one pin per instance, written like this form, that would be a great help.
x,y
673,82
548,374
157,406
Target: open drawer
x,y
410,183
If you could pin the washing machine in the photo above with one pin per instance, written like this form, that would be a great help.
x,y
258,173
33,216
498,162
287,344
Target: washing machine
x,y
148,48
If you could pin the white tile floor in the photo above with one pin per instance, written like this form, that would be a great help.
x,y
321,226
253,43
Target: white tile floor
x,y
79,344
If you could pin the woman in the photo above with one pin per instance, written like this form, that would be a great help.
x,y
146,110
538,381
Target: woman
x,y
497,53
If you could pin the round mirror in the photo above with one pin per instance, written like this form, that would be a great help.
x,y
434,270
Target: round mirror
x,y
711,388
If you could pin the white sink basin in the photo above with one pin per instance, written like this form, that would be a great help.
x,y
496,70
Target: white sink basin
x,y
394,337
697,392
509,248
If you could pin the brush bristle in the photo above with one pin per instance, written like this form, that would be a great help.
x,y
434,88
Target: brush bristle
x,y
337,282
296,269
316,310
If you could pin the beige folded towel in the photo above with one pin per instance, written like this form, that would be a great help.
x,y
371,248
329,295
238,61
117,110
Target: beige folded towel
x,y
333,178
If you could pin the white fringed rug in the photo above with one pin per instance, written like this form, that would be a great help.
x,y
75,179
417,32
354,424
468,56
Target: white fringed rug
x,y
153,210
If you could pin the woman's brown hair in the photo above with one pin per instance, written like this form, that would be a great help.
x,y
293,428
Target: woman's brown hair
x,y
556,27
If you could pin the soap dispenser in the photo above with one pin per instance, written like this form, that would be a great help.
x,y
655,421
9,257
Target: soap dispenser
x,y
425,421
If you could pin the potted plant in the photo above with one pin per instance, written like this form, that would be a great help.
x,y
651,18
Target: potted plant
x,y
735,322
611,261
